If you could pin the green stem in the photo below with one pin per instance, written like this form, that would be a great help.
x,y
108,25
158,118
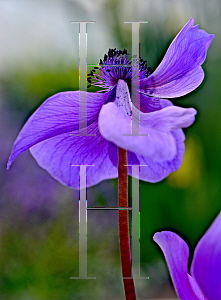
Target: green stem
x,y
124,225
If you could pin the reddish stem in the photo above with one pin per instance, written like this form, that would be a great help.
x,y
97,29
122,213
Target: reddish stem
x,y
124,225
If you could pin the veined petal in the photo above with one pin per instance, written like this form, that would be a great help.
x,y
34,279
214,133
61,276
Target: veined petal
x,y
114,124
59,153
57,115
176,253
206,266
147,104
181,86
180,71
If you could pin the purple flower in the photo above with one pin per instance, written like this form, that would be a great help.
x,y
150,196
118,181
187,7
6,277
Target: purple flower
x,y
205,280
49,132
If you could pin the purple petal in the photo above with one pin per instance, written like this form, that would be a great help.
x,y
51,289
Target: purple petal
x,y
58,154
113,155
148,104
114,124
57,115
153,171
196,288
206,266
156,171
180,71
169,118
176,253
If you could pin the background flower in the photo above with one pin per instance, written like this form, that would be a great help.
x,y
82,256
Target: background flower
x,y
204,282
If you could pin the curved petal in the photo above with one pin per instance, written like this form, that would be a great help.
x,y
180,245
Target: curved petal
x,y
176,253
57,115
153,171
153,144
180,71
168,118
59,153
206,266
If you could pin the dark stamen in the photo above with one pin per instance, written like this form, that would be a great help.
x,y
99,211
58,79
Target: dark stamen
x,y
116,65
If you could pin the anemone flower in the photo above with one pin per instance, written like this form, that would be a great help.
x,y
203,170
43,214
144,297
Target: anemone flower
x,y
50,132
204,283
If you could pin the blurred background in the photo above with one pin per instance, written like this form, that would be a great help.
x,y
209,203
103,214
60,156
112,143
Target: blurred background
x,y
38,216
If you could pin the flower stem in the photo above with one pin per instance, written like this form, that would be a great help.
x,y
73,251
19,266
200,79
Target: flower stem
x,y
124,225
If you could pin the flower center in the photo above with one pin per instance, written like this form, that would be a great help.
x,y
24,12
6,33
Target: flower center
x,y
115,66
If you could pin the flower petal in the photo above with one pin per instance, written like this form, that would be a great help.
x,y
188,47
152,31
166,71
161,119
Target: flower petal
x,y
206,266
155,145
113,155
57,115
168,118
196,288
156,171
59,153
153,171
176,253
180,71
147,104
